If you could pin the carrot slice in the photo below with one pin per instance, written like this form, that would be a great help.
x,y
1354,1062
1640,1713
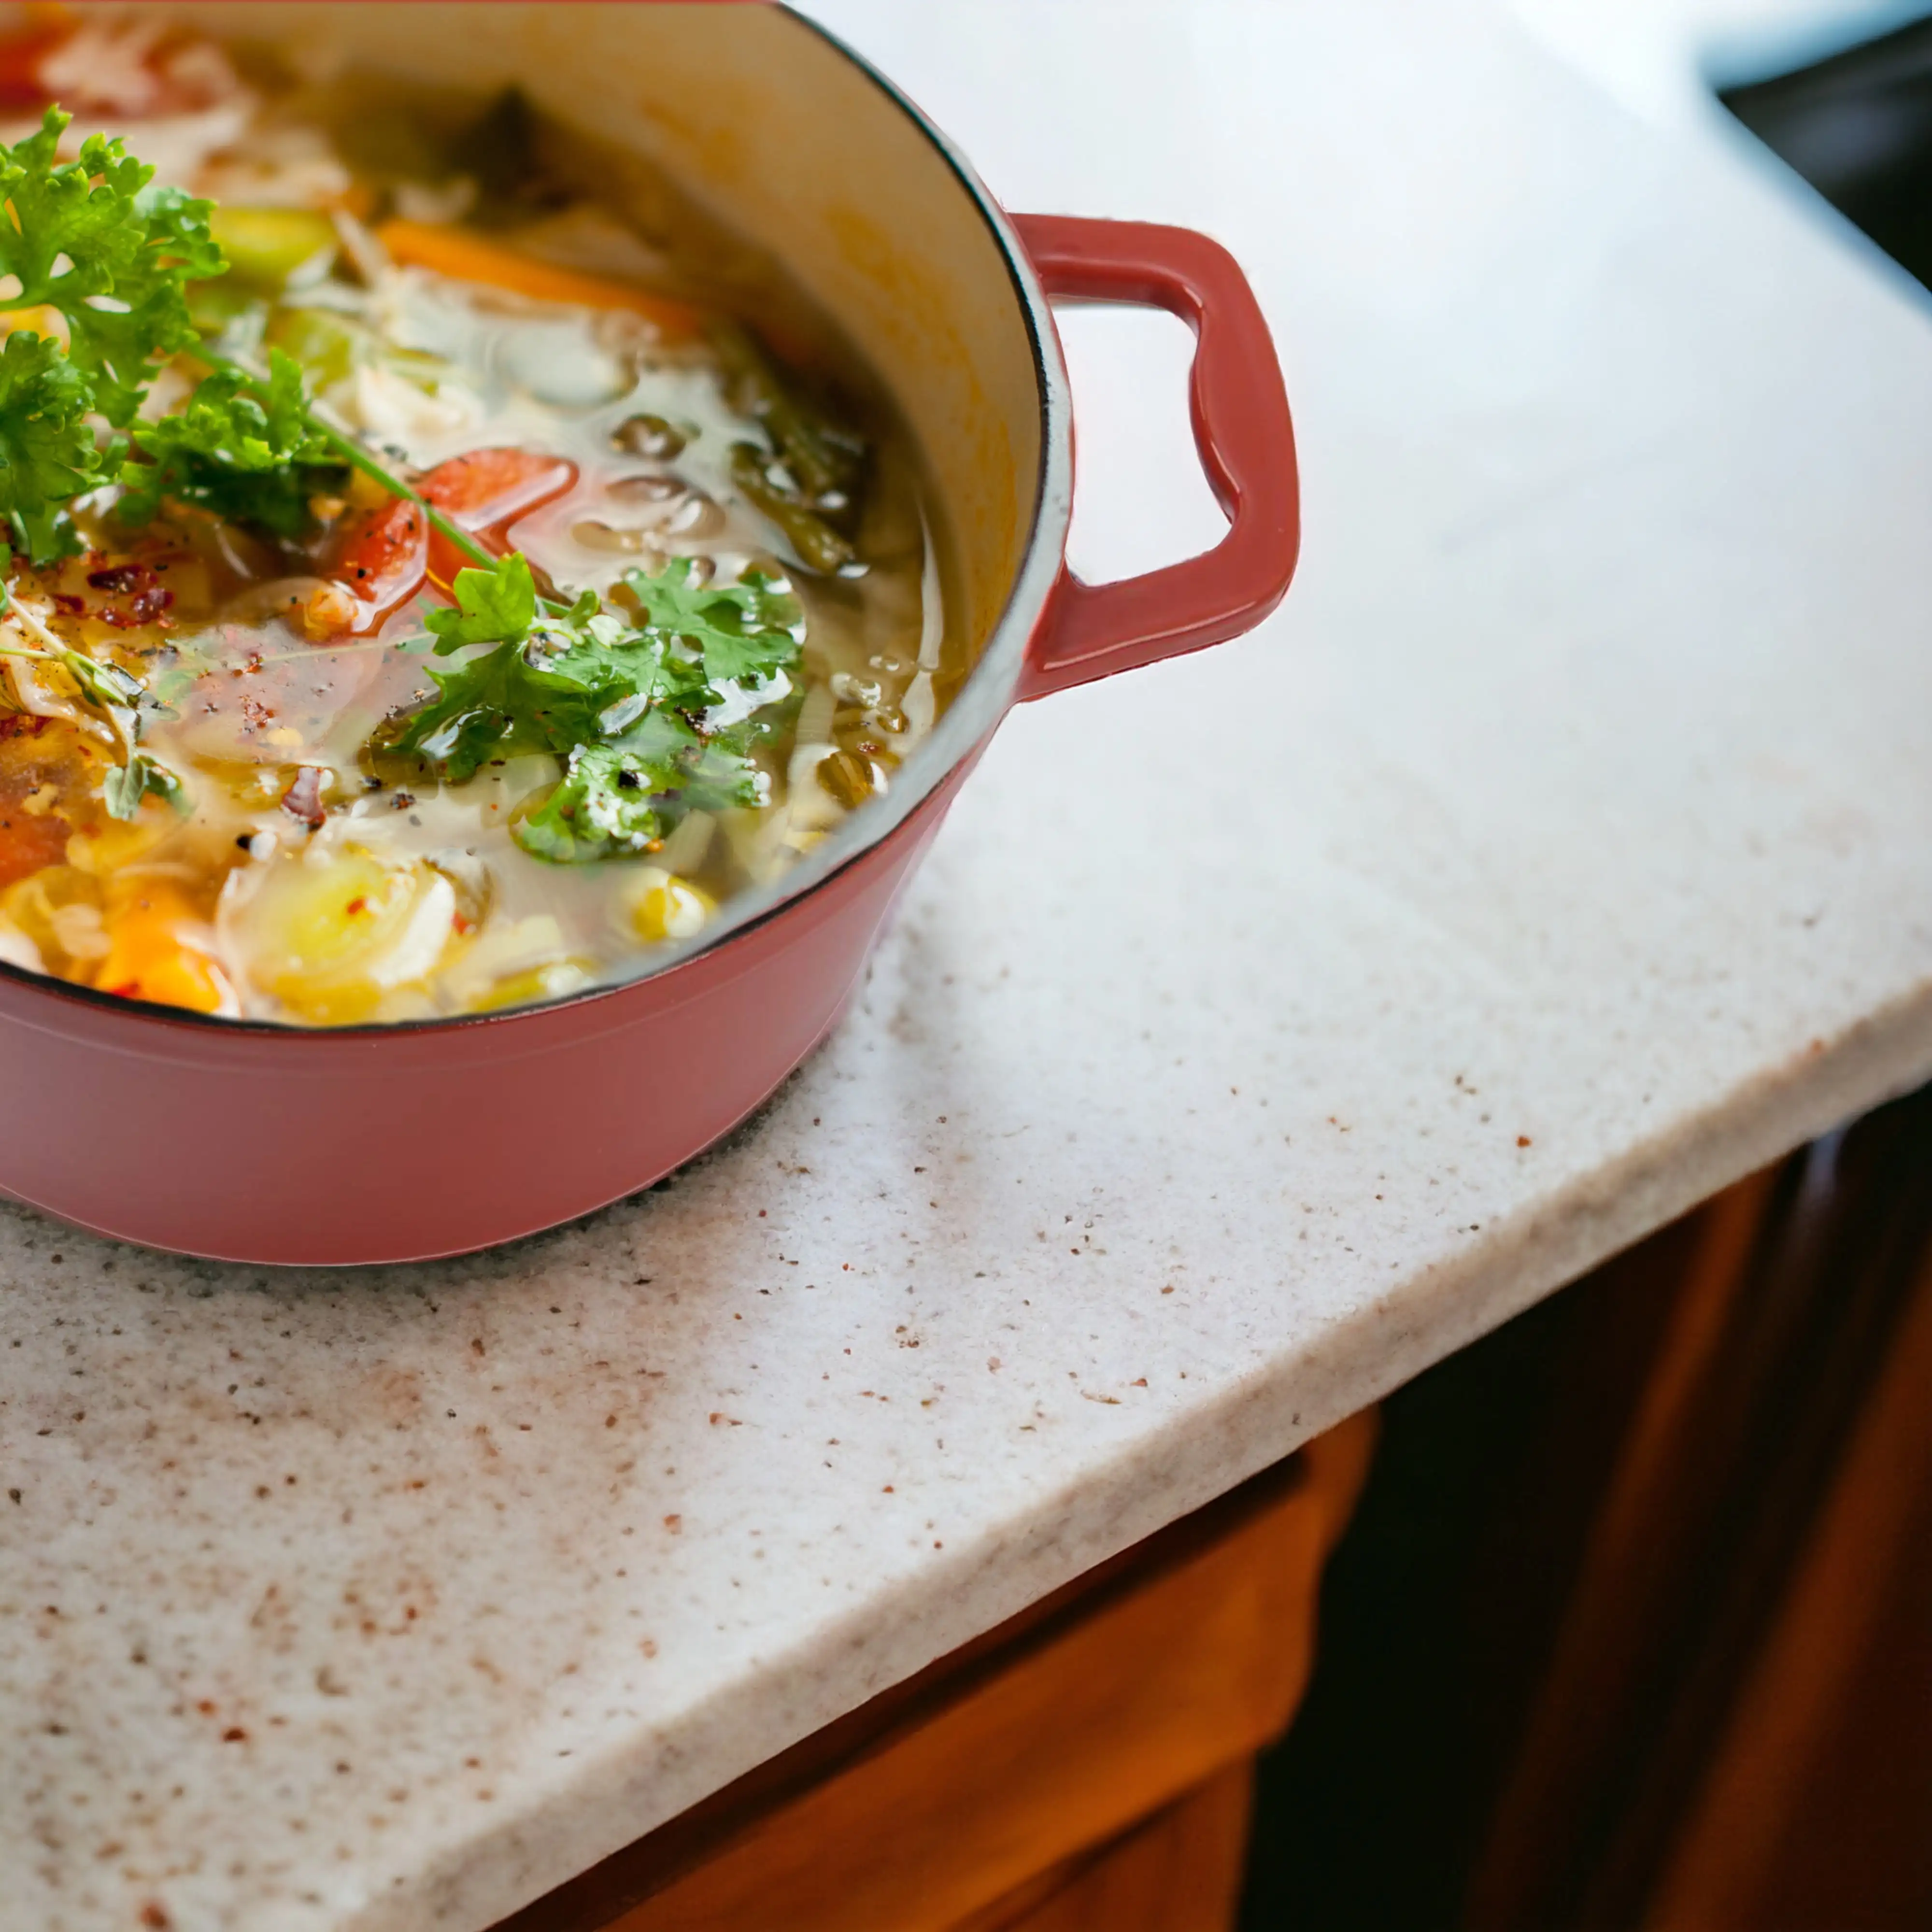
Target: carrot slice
x,y
468,257
149,960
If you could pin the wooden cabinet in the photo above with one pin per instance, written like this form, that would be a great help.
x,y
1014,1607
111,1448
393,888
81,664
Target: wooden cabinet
x,y
1092,1757
1733,1730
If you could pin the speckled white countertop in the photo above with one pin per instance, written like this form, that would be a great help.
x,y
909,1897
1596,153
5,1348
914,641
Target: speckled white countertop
x,y
1264,1027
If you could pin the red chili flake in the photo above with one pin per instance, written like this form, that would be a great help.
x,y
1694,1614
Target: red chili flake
x,y
355,906
302,801
145,609
70,607
120,579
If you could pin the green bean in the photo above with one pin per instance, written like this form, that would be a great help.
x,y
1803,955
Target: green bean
x,y
824,456
816,541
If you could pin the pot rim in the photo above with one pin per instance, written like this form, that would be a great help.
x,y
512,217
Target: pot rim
x,y
984,699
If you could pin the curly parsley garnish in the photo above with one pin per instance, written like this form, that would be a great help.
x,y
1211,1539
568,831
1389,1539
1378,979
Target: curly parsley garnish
x,y
111,254
255,462
95,239
48,452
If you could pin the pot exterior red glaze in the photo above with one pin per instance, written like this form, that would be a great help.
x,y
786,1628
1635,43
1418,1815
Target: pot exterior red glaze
x,y
264,1145
273,1145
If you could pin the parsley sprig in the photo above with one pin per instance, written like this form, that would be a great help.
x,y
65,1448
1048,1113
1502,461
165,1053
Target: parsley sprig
x,y
96,239
249,452
48,453
96,242
630,707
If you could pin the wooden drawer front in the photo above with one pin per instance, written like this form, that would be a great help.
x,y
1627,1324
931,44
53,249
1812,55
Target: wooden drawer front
x,y
1030,1750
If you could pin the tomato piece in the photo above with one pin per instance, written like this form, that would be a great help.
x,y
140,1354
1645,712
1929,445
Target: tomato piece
x,y
20,57
485,491
383,559
390,551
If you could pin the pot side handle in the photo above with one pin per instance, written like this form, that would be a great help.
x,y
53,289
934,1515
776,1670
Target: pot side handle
x,y
1241,428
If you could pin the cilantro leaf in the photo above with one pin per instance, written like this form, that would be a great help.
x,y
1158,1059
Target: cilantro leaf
x,y
494,606
623,705
827,460
47,451
95,240
254,462
742,630
631,671
558,688
607,802
623,795
506,701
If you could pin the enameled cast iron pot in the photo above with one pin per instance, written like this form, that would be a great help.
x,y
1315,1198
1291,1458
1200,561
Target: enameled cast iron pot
x,y
270,1143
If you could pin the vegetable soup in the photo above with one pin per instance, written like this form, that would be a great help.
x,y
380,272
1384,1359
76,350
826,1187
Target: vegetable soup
x,y
444,569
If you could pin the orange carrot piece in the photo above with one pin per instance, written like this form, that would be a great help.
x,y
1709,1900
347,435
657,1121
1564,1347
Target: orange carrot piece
x,y
149,960
468,257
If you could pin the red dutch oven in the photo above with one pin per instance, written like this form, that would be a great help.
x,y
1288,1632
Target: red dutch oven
x,y
269,1143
